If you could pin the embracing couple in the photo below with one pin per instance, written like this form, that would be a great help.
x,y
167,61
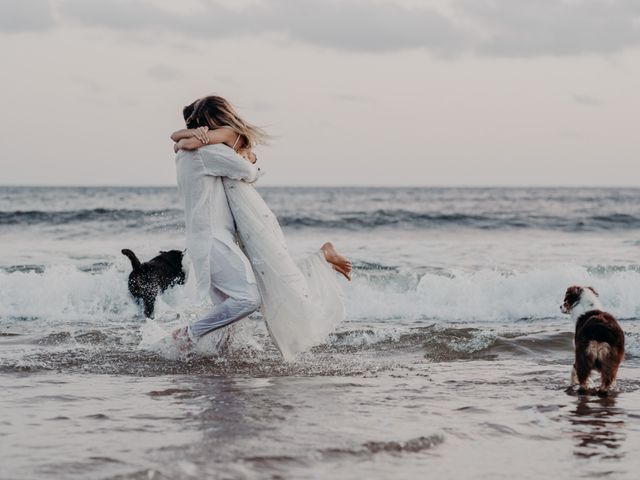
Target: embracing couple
x,y
235,243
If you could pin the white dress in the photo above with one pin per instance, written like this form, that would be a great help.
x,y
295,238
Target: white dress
x,y
301,302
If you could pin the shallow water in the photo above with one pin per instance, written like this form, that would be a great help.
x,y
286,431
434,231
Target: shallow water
x,y
454,360
481,419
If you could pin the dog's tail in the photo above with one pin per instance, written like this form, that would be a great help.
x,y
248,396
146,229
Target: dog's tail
x,y
598,350
135,263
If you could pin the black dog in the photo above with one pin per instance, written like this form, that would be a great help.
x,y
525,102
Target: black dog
x,y
149,279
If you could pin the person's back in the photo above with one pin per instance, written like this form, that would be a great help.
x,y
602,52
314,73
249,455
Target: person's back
x,y
207,214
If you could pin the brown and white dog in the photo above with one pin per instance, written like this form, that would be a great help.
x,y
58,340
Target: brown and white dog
x,y
599,340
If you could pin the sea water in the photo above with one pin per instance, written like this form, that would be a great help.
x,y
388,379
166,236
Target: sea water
x,y
453,362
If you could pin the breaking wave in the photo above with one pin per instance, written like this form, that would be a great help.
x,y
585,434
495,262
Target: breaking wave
x,y
488,295
65,318
68,294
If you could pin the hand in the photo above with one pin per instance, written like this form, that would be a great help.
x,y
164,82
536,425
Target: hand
x,y
184,133
249,155
201,134
178,145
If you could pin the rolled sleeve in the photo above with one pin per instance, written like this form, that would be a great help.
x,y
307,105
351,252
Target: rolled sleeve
x,y
223,162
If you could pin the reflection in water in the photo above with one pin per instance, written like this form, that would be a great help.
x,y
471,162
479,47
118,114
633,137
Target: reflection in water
x,y
598,427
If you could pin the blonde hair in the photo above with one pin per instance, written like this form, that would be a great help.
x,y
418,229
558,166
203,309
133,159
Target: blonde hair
x,y
216,112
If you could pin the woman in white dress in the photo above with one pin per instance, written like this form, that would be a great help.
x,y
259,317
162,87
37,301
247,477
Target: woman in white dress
x,y
301,302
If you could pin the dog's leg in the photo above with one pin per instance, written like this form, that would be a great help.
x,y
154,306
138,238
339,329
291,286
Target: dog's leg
x,y
149,306
583,369
603,389
574,376
607,379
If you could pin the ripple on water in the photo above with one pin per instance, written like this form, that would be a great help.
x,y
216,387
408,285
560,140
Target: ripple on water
x,y
367,449
413,445
168,391
497,428
97,416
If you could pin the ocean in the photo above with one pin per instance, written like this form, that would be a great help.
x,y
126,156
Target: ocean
x,y
453,362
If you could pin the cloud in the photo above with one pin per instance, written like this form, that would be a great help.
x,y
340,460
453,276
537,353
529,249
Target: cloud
x,y
553,27
260,106
502,28
366,26
356,25
164,73
586,100
25,15
89,84
352,98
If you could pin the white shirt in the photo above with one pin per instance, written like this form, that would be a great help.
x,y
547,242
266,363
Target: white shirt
x,y
207,213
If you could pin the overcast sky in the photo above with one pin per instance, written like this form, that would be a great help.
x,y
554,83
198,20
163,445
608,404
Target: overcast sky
x,y
386,92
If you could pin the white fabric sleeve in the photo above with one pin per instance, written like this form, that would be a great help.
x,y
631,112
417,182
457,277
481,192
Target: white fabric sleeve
x,y
226,163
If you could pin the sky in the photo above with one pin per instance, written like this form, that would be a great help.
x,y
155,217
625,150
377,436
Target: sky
x,y
354,92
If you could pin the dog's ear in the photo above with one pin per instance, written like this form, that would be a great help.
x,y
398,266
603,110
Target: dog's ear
x,y
574,291
594,291
572,296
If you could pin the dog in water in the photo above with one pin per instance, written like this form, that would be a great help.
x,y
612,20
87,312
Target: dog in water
x,y
151,278
599,339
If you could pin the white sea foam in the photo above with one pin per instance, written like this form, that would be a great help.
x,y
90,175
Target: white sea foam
x,y
241,336
490,295
66,294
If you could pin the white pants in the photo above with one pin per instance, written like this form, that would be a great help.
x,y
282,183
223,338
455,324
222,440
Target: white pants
x,y
233,295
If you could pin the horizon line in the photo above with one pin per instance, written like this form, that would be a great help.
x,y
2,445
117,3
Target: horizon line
x,y
109,185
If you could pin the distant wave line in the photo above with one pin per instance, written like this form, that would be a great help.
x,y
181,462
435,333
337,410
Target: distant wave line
x,y
60,217
349,220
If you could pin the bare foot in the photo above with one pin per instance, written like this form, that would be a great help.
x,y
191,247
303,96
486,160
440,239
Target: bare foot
x,y
338,262
181,339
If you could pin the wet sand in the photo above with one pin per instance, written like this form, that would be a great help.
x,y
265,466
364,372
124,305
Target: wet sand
x,y
336,414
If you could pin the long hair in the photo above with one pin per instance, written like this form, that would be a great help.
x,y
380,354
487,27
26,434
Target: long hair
x,y
216,112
